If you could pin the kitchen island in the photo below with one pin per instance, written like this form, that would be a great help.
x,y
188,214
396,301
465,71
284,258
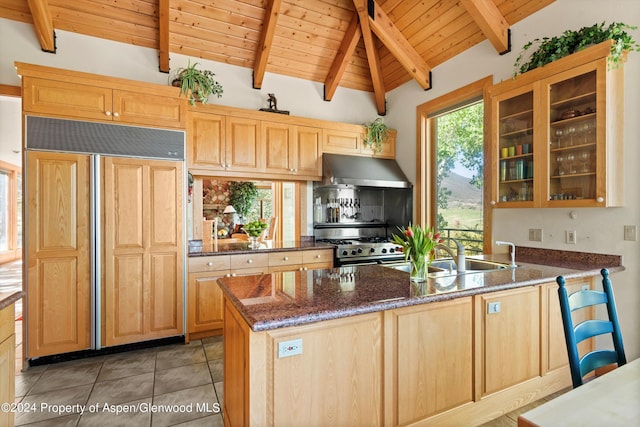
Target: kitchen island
x,y
361,346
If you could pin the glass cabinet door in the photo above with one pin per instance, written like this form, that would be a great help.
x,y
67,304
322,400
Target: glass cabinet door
x,y
573,130
515,149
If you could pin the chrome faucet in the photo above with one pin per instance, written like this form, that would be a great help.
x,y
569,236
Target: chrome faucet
x,y
513,251
459,256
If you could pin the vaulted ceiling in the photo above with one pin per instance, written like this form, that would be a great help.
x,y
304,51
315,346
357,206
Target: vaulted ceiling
x,y
369,45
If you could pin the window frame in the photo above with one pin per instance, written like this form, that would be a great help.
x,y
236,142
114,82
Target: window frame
x,y
426,170
13,252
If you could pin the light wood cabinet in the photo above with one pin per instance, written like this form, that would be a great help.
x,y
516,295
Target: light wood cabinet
x,y
388,149
85,101
556,134
291,150
204,297
142,275
206,139
510,337
317,387
7,362
429,353
340,141
58,285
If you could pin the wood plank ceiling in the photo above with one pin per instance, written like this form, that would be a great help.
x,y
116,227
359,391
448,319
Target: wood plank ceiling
x,y
368,45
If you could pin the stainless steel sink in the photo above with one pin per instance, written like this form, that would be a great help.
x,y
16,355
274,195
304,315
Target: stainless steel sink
x,y
471,265
447,267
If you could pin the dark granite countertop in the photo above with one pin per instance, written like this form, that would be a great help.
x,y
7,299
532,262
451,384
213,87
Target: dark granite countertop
x,y
318,295
8,298
276,246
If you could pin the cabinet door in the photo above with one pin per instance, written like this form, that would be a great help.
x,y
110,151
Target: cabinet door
x,y
142,257
513,147
58,260
279,147
148,109
308,153
242,149
206,141
584,156
341,141
204,303
441,333
511,338
62,99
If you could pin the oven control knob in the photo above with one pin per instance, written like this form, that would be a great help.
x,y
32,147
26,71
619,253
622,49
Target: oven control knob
x,y
372,250
344,253
359,250
353,251
384,250
391,250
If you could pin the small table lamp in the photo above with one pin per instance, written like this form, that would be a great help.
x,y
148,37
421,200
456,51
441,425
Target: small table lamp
x,y
230,210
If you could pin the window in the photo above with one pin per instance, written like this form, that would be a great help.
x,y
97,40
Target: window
x,y
10,212
450,149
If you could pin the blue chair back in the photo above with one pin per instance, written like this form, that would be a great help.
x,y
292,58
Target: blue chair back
x,y
580,366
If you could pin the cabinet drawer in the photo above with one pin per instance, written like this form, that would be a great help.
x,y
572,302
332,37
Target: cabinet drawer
x,y
285,258
316,256
249,261
209,263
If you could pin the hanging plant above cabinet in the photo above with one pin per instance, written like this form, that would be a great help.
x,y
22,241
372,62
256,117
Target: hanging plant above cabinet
x,y
197,84
550,49
377,135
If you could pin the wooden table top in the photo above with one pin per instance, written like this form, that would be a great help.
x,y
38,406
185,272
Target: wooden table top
x,y
609,400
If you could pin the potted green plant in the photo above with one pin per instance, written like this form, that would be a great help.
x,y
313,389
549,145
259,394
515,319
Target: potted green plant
x,y
377,135
551,48
197,84
242,194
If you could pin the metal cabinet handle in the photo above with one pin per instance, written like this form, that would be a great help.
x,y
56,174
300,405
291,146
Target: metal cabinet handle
x,y
233,274
318,256
227,275
286,258
209,263
116,114
249,261
600,199
492,203
107,113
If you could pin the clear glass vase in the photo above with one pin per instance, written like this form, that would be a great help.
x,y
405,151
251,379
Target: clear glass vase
x,y
253,242
419,268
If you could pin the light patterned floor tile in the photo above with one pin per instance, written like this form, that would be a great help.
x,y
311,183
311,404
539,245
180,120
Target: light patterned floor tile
x,y
179,356
174,379
48,405
121,390
60,377
137,415
201,397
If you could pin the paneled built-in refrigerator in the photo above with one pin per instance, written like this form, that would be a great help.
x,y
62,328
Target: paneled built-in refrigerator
x,y
104,251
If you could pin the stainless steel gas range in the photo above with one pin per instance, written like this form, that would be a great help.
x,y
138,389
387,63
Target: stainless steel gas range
x,y
366,250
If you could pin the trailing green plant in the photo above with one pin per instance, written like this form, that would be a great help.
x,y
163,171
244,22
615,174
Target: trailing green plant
x,y
242,194
377,135
197,84
550,49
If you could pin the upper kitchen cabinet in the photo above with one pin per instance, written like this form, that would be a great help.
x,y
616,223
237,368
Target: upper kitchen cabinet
x,y
348,139
62,93
556,134
291,150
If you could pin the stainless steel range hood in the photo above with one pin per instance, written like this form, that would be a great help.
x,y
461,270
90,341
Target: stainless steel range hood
x,y
362,171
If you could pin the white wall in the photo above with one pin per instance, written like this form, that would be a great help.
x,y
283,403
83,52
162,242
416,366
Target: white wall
x,y
10,130
599,230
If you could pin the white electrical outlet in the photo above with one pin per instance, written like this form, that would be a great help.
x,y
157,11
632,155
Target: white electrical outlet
x,y
289,348
570,237
493,307
630,233
535,234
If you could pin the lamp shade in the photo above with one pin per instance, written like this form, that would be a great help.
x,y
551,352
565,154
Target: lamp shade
x,y
229,209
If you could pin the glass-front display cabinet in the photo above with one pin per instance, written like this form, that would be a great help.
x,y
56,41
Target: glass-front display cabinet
x,y
557,134
515,128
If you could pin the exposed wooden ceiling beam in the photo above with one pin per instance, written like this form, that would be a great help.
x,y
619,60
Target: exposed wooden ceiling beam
x,y
163,36
43,24
266,41
492,23
340,62
372,56
399,46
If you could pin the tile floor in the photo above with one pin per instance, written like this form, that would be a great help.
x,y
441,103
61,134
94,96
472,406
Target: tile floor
x,y
184,379
172,377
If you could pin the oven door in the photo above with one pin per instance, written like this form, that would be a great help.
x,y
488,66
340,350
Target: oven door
x,y
368,261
